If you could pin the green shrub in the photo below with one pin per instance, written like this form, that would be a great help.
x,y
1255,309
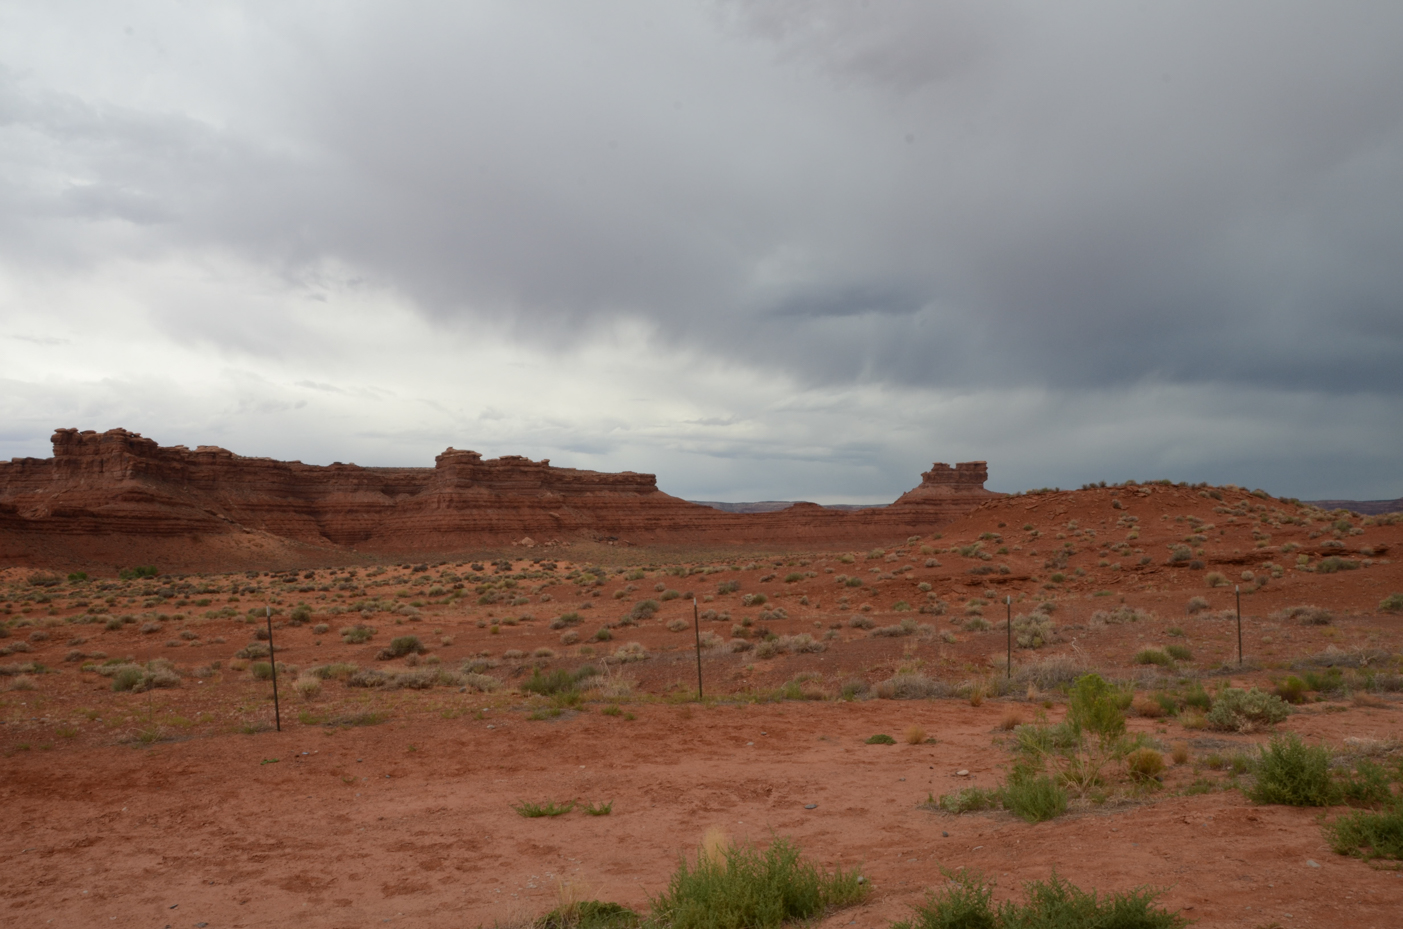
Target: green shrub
x,y
1369,835
1198,698
881,738
1367,786
1034,799
1335,563
400,646
1292,690
550,683
1292,773
967,903
1155,656
644,609
1094,706
127,678
1393,603
1243,711
357,634
1178,652
589,914
129,574
1144,764
300,614
741,887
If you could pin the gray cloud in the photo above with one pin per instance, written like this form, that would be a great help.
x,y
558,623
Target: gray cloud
x,y
928,196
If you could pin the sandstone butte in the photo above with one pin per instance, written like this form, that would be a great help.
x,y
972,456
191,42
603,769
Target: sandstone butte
x,y
117,497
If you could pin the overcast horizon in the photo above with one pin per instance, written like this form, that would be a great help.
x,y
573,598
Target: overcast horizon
x,y
771,251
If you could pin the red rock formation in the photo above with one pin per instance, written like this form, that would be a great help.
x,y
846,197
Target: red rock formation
x,y
124,490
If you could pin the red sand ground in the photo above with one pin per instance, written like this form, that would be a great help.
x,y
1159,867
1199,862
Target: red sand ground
x,y
411,819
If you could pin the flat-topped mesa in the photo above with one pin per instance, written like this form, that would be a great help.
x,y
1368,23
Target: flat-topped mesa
x,y
103,492
456,469
943,483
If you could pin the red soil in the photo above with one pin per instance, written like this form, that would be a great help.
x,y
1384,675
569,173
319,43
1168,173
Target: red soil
x,y
411,819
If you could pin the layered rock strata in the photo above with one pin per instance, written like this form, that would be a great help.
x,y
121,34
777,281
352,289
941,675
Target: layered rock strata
x,y
120,485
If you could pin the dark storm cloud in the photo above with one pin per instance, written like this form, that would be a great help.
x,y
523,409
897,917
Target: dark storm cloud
x,y
922,194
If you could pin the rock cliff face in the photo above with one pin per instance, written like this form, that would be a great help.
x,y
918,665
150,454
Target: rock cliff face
x,y
120,489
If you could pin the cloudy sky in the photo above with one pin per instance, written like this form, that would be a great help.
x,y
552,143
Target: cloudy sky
x,y
776,250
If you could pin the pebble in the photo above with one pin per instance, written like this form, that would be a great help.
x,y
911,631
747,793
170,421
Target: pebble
x,y
810,806
962,773
1312,863
945,835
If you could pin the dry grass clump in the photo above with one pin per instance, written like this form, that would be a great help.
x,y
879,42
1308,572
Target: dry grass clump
x,y
308,685
1147,707
1180,753
1196,605
1051,672
1122,614
910,685
1305,615
1011,720
914,735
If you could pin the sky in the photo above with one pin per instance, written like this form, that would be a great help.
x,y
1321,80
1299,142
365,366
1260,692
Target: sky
x,y
772,250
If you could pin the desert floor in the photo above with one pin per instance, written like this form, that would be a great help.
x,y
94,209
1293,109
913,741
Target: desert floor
x,y
176,803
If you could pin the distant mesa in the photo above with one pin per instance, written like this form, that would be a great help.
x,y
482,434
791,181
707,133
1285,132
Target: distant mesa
x,y
118,497
1363,507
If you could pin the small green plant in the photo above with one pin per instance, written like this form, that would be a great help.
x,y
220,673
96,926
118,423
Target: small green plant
x,y
881,738
589,914
967,800
131,574
1178,652
1034,799
538,810
966,902
1369,835
599,809
742,887
1293,773
1393,603
612,709
1155,656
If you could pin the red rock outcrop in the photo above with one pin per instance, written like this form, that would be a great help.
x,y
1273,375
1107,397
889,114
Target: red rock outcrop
x,y
122,489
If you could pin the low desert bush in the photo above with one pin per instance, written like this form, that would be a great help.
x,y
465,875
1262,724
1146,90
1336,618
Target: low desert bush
x,y
588,914
1196,605
1305,615
1215,579
401,646
308,685
742,887
357,634
966,902
1178,652
1292,773
1369,835
1246,710
1393,603
1335,563
1155,656
880,738
1034,799
1144,764
914,735
910,685
1094,706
